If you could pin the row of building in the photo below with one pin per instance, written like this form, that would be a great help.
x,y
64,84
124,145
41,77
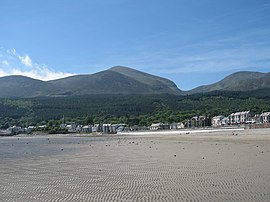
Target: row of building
x,y
238,118
73,127
15,130
166,126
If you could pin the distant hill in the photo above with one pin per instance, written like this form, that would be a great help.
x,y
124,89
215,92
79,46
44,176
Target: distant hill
x,y
21,86
117,80
123,81
239,81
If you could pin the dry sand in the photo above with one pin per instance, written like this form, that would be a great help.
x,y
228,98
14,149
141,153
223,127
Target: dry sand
x,y
215,166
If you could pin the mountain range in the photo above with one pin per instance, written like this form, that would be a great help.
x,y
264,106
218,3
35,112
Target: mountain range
x,y
116,80
124,81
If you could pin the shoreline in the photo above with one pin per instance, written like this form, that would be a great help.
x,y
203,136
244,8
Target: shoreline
x,y
180,132
213,132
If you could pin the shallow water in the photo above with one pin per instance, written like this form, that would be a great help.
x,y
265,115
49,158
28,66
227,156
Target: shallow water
x,y
28,147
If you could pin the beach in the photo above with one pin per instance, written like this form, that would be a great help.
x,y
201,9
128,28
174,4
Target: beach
x,y
227,165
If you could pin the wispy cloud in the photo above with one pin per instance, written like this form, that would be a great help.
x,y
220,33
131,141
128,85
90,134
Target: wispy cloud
x,y
13,63
26,61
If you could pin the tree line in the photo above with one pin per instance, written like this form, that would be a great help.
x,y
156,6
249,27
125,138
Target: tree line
x,y
130,109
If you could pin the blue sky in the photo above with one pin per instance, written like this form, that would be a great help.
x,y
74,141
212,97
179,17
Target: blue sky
x,y
192,42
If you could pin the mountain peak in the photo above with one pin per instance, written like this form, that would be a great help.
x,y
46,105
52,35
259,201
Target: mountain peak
x,y
157,83
119,67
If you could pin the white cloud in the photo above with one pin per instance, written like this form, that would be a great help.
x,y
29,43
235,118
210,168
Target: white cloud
x,y
15,64
26,61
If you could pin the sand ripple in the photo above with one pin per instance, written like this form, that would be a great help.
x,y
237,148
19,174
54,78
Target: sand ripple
x,y
140,169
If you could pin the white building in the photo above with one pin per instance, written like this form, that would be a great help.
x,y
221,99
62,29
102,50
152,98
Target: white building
x,y
200,121
239,117
14,130
159,126
106,128
217,121
176,125
71,127
96,128
154,126
265,117
87,129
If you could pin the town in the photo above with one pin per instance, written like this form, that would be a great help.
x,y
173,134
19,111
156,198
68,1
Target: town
x,y
245,119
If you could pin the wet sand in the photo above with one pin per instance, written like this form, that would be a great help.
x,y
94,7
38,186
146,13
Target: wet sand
x,y
217,166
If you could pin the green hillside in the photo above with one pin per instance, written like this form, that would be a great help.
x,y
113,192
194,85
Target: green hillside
x,y
155,83
130,109
20,86
240,81
118,80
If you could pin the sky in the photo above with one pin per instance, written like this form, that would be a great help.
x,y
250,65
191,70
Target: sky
x,y
191,42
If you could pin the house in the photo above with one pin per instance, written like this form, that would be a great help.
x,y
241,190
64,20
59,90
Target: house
x,y
254,119
106,128
113,128
121,128
200,121
31,128
87,129
96,128
217,121
159,126
154,126
240,117
40,128
225,121
265,117
138,128
175,126
257,118
71,127
79,128
15,130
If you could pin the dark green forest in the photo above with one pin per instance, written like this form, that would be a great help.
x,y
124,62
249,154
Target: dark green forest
x,y
130,109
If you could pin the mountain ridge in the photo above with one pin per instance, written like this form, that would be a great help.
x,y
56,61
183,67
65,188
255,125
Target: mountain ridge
x,y
143,77
238,81
123,81
116,80
22,86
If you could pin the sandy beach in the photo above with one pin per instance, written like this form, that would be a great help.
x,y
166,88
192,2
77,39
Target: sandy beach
x,y
209,166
